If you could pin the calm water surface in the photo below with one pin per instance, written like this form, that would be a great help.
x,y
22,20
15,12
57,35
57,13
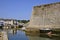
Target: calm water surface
x,y
20,35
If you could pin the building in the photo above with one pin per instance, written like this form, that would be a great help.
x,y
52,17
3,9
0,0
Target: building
x,y
45,16
10,22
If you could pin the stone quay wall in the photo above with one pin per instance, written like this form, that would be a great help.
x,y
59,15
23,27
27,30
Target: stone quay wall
x,y
45,16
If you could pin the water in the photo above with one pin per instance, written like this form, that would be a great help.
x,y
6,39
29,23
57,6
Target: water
x,y
17,35
21,35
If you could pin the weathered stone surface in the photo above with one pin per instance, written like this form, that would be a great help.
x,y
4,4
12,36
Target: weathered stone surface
x,y
46,16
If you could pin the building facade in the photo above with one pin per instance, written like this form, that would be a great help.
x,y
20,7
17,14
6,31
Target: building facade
x,y
8,21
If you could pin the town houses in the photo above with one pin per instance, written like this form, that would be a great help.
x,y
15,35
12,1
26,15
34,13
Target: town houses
x,y
8,22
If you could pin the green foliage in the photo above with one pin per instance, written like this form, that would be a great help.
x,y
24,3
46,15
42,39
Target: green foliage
x,y
23,21
42,8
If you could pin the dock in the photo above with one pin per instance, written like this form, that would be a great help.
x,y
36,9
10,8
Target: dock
x,y
3,36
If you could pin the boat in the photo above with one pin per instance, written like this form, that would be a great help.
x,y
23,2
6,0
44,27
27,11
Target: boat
x,y
45,30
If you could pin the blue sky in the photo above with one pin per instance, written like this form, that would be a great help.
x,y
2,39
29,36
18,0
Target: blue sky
x,y
20,9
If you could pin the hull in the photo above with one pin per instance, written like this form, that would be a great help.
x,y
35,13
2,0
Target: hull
x,y
45,30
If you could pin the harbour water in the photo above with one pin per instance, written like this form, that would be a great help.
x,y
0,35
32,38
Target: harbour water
x,y
21,35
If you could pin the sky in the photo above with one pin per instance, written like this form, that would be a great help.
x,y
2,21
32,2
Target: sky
x,y
20,9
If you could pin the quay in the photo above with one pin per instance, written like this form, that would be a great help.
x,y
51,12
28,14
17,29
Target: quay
x,y
3,36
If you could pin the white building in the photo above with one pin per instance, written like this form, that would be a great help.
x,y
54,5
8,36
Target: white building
x,y
8,21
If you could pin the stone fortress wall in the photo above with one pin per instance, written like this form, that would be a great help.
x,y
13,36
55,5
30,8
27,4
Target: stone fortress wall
x,y
45,16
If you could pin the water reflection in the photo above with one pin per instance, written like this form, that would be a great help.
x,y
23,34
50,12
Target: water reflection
x,y
16,35
21,35
12,31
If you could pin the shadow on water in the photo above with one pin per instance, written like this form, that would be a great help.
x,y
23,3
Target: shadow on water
x,y
42,36
53,37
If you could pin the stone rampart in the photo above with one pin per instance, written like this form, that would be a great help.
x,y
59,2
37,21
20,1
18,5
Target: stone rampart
x,y
45,16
